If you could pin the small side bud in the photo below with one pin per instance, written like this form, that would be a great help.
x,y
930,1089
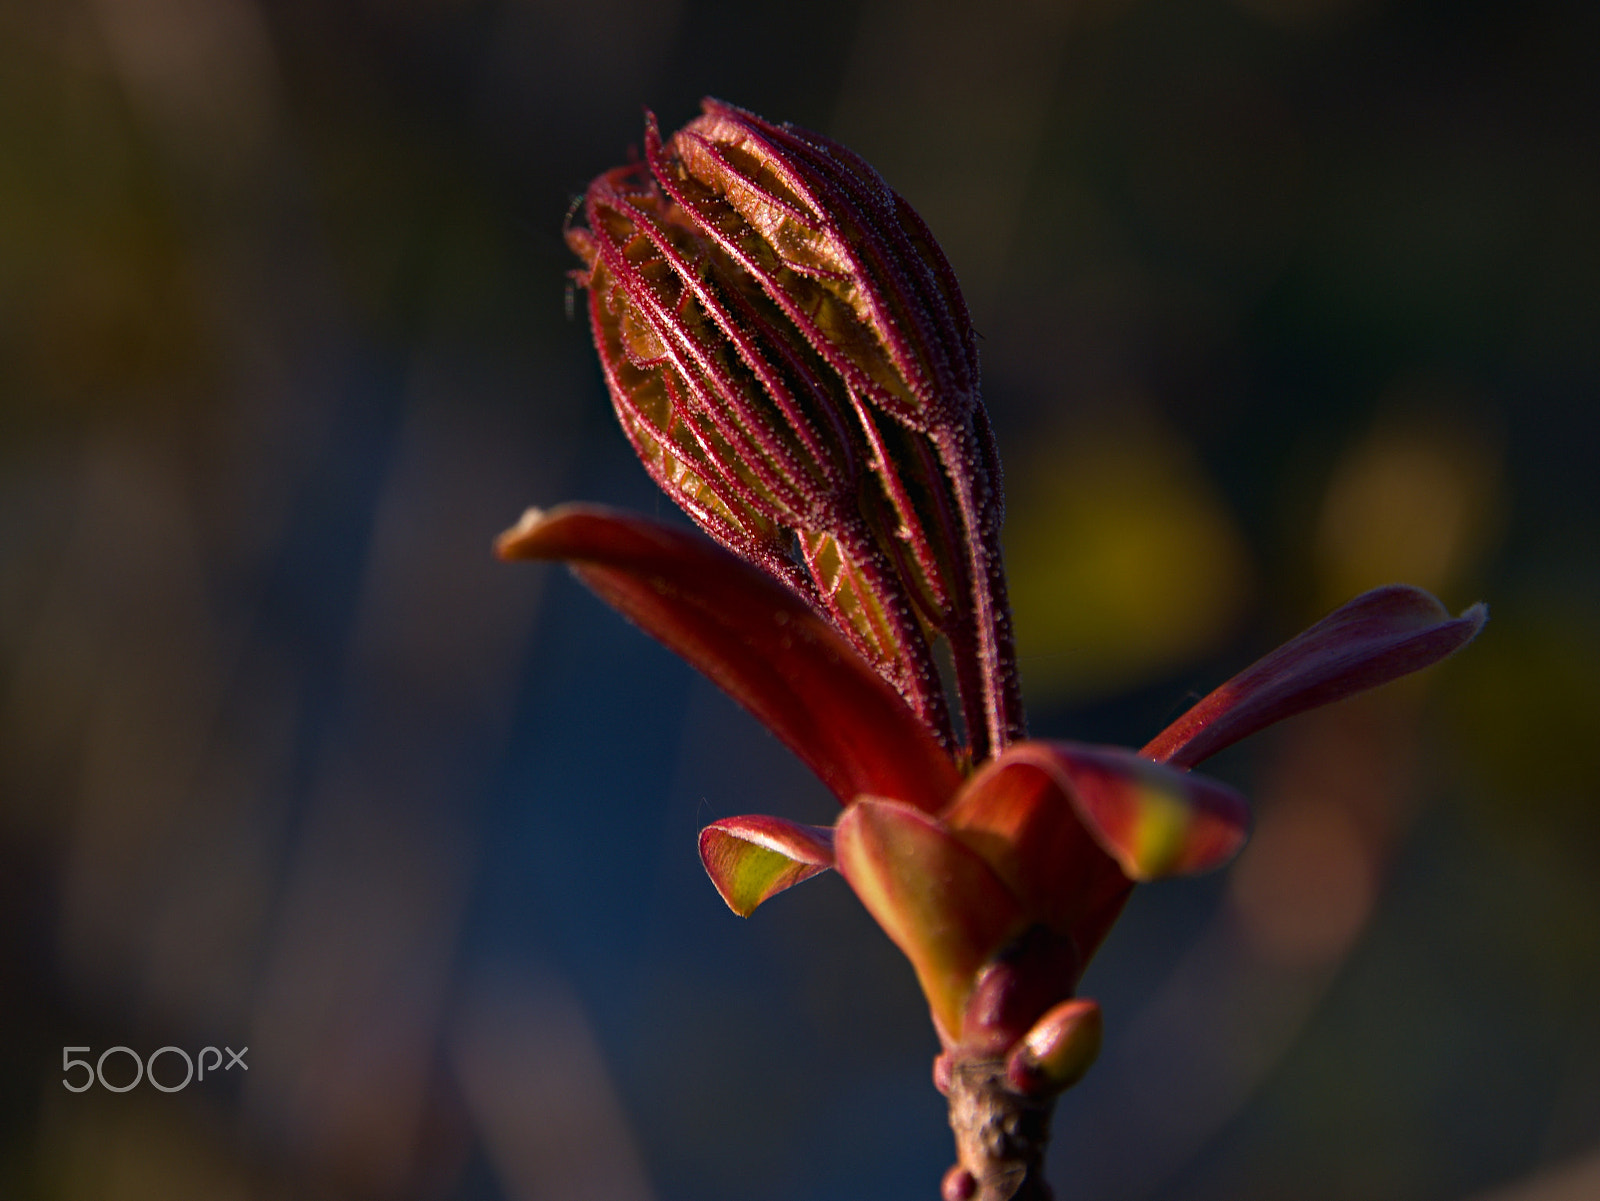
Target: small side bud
x,y
1010,993
943,1069
1061,1047
958,1185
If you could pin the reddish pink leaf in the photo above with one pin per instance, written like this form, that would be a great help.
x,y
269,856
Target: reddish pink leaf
x,y
939,902
755,640
1016,815
1379,636
752,858
1152,819
1069,827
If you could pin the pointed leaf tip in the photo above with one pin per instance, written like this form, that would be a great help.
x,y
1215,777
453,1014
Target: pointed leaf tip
x,y
1377,637
752,858
514,542
756,640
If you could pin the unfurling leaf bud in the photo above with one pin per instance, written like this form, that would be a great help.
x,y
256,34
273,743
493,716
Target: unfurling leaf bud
x,y
789,353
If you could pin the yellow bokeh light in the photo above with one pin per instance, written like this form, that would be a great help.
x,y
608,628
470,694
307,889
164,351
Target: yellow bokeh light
x,y
1122,560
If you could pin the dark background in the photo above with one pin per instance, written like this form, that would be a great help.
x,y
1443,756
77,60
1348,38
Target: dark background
x,y
1279,299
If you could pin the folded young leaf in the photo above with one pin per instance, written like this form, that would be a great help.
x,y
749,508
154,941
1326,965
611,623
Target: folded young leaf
x,y
1377,637
1019,818
751,858
1068,827
937,899
754,639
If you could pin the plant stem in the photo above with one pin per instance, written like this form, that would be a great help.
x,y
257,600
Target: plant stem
x,y
1000,1136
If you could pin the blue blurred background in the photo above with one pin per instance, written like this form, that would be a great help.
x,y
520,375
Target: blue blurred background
x,y
1279,299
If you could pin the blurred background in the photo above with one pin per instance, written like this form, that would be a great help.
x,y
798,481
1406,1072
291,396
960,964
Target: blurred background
x,y
1279,300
